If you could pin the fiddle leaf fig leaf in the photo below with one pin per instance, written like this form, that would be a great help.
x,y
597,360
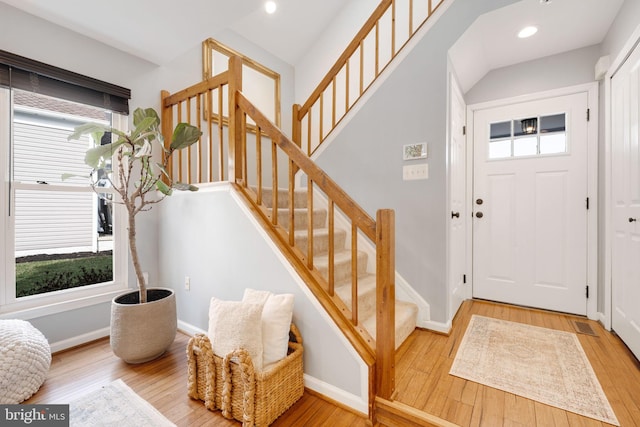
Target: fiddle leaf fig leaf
x,y
143,127
141,114
94,129
184,187
162,169
184,135
96,156
163,188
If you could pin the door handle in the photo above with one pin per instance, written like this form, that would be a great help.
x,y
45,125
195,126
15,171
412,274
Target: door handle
x,y
632,219
479,214
455,214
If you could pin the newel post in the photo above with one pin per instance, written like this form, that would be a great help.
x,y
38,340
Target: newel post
x,y
166,123
236,122
385,303
296,133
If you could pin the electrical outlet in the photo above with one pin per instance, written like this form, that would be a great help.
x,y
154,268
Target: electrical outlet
x,y
413,172
187,283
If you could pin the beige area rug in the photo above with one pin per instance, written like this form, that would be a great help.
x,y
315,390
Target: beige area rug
x,y
541,364
115,405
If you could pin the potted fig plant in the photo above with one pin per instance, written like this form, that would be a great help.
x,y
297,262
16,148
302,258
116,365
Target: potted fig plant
x,y
143,322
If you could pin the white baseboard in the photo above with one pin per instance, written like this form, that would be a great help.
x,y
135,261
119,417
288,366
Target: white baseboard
x,y
79,340
104,332
189,329
337,394
444,328
602,318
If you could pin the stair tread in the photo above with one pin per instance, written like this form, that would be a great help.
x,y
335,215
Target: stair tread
x,y
406,315
366,284
403,309
340,256
299,197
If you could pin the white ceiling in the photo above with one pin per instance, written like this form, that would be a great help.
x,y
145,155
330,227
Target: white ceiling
x,y
173,27
492,40
161,30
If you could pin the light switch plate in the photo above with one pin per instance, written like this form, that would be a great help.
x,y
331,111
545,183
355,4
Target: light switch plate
x,y
413,172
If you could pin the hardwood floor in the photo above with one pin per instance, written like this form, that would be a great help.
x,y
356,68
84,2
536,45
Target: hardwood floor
x,y
163,383
423,381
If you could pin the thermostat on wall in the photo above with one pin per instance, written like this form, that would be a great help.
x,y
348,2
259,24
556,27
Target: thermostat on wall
x,y
414,151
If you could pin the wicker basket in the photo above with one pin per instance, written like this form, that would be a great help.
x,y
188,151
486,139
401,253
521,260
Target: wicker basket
x,y
232,385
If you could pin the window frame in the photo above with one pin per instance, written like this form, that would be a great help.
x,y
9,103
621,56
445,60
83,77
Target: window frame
x,y
512,138
57,301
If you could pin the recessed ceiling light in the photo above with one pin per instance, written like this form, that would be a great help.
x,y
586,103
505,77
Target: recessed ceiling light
x,y
270,7
527,32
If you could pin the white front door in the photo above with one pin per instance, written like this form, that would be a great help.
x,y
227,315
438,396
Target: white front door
x,y
625,272
530,203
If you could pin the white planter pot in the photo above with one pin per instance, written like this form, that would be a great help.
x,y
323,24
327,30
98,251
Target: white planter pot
x,y
143,332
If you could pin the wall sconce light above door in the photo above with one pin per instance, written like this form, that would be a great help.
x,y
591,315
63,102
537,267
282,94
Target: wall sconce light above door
x,y
529,126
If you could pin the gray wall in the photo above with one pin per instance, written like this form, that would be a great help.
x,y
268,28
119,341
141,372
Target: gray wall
x,y
552,72
204,235
208,237
35,38
625,23
366,157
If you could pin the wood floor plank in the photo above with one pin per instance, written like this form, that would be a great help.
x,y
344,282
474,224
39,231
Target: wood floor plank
x,y
163,383
616,368
422,378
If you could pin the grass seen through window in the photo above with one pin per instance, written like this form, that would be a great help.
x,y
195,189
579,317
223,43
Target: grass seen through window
x,y
48,273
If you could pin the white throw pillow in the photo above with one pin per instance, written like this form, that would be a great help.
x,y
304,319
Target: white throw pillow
x,y
276,322
234,325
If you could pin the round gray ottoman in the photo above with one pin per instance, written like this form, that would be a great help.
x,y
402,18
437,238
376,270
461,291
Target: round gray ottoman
x,y
25,358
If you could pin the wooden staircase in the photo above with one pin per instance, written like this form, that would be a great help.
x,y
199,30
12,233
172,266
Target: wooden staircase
x,y
406,313
356,287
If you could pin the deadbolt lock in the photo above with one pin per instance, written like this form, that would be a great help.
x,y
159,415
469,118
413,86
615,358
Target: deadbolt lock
x,y
479,201
479,214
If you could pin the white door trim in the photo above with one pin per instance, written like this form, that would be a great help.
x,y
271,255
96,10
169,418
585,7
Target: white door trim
x,y
607,224
592,172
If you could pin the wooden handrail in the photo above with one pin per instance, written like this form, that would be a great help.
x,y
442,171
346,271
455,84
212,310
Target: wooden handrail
x,y
346,55
199,88
333,191
377,354
356,47
202,94
381,232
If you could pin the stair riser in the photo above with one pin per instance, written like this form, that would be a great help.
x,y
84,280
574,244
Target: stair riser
x,y
342,269
300,198
406,321
301,219
366,306
321,242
